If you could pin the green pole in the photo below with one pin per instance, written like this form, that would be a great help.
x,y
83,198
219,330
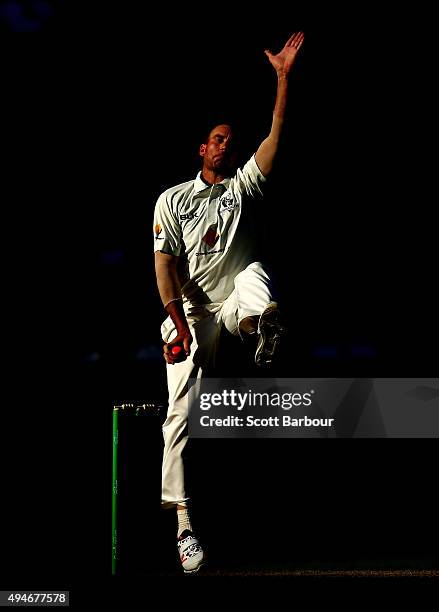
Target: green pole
x,y
114,496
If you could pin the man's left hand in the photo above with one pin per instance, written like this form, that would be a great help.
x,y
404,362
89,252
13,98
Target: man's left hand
x,y
283,61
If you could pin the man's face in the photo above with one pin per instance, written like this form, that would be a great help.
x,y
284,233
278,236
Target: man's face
x,y
219,152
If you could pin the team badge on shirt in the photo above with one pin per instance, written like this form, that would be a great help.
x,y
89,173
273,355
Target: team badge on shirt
x,y
227,203
211,236
158,231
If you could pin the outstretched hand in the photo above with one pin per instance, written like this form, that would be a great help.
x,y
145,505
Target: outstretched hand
x,y
283,61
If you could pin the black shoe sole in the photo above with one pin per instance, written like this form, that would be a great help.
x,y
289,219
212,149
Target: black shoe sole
x,y
271,331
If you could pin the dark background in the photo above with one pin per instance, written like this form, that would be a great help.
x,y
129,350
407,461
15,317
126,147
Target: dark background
x,y
28,16
104,114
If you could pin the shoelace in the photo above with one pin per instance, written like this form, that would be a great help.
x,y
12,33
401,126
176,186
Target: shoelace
x,y
186,539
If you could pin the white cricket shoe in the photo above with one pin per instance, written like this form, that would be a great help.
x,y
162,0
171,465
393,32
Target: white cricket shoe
x,y
190,551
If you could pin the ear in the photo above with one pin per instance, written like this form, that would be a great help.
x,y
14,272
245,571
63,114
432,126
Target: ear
x,y
202,150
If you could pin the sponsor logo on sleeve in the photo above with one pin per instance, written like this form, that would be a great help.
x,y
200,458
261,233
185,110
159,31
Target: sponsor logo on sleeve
x,y
158,230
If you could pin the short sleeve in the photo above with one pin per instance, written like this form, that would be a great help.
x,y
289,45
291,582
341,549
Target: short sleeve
x,y
167,231
250,179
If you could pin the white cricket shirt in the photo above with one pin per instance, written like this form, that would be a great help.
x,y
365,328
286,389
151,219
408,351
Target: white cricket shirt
x,y
205,226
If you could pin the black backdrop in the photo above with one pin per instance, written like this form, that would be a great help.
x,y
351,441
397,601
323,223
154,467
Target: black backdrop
x,y
107,114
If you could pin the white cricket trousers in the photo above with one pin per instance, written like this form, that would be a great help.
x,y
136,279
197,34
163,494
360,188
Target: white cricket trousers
x,y
250,296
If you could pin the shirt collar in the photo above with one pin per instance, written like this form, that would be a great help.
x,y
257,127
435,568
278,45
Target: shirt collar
x,y
200,185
